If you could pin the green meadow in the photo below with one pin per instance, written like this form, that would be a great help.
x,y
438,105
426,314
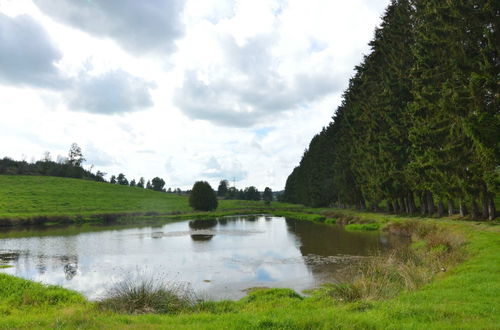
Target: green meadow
x,y
465,296
25,197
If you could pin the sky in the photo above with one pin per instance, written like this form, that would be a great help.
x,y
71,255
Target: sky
x,y
184,90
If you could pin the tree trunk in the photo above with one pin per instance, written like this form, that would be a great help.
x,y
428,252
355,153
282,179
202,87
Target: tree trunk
x,y
463,209
397,208
407,205
492,210
390,208
402,204
430,204
450,207
423,204
484,203
440,209
411,202
474,210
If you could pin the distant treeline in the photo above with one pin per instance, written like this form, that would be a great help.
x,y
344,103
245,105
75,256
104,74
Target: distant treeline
x,y
47,167
419,124
249,193
69,169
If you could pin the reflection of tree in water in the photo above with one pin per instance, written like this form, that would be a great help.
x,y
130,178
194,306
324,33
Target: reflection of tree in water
x,y
252,217
41,264
70,266
326,240
9,256
70,271
201,237
202,224
222,221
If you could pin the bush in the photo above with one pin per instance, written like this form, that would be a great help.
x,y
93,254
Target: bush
x,y
147,296
203,197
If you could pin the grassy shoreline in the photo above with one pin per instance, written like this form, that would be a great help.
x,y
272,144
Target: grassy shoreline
x,y
463,297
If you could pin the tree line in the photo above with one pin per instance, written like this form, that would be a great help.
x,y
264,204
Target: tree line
x,y
249,193
69,167
418,128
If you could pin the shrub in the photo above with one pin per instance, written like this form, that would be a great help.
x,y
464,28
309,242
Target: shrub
x,y
148,295
203,197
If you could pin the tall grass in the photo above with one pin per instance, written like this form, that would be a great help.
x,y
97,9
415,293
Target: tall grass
x,y
146,295
405,268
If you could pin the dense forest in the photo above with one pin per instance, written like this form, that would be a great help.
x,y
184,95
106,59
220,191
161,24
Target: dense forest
x,y
418,127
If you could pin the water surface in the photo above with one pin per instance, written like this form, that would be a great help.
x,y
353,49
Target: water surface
x,y
217,258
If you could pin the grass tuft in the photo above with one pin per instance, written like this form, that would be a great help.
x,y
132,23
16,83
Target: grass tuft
x,y
148,295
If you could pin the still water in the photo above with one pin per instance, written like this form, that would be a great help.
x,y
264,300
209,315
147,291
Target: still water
x,y
218,259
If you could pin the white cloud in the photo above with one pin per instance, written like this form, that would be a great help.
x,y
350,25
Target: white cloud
x,y
244,83
109,93
138,26
28,56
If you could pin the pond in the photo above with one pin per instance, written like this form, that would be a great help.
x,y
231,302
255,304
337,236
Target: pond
x,y
218,259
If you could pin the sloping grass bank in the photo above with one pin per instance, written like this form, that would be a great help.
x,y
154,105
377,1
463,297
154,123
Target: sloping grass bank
x,y
465,297
29,200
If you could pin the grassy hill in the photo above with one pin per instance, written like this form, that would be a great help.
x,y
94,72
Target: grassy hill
x,y
25,196
29,197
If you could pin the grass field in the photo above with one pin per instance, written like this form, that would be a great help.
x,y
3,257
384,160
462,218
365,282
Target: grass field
x,y
463,297
24,197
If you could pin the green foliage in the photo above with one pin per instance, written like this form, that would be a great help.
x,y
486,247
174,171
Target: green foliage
x,y
251,194
363,226
75,155
267,196
122,180
47,167
223,188
157,184
418,119
300,216
203,197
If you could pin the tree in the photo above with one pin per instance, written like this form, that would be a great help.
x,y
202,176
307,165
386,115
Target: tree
x,y
46,157
99,176
112,180
148,185
202,197
267,196
223,188
157,184
133,183
251,194
140,183
75,155
122,180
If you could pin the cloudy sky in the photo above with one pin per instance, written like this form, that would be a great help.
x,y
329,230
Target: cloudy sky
x,y
184,90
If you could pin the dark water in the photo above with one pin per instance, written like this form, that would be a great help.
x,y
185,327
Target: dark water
x,y
217,258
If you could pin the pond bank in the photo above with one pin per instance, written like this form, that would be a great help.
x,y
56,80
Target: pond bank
x,y
465,296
